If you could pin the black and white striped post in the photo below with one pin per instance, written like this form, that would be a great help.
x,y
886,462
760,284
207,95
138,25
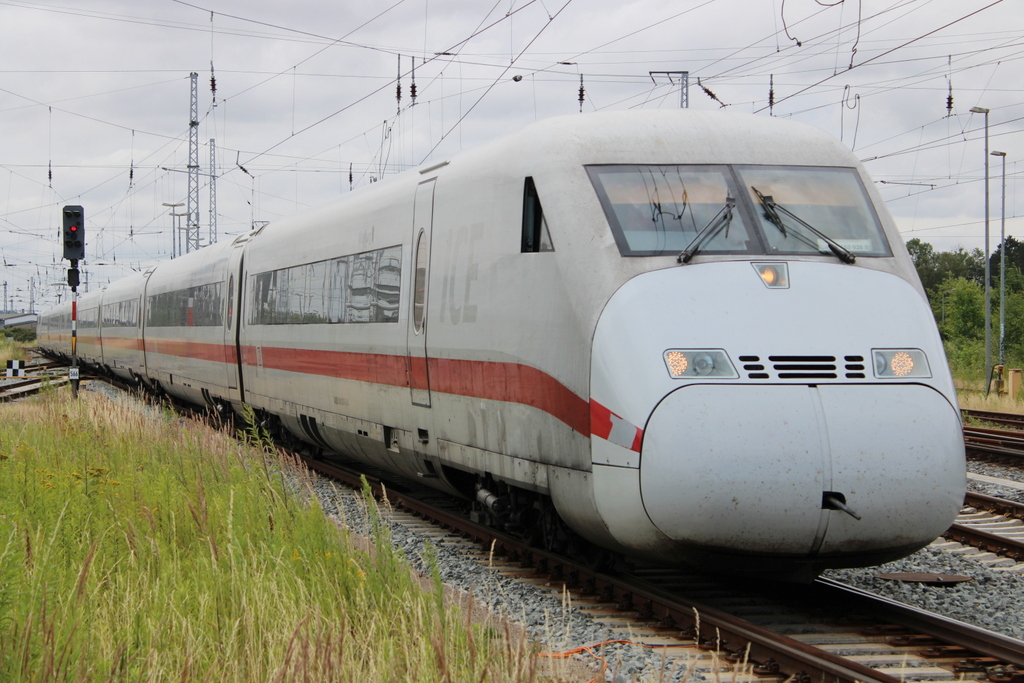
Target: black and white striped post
x,y
15,368
73,370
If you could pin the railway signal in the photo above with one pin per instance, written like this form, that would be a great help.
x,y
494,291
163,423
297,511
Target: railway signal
x,y
74,250
74,233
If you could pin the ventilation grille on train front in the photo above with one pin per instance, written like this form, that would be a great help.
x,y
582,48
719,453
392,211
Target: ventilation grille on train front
x,y
803,367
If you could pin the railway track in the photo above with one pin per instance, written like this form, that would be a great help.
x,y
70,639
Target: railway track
x,y
40,373
994,528
1012,420
998,442
781,633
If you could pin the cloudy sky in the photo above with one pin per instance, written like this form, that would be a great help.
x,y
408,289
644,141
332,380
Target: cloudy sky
x,y
94,101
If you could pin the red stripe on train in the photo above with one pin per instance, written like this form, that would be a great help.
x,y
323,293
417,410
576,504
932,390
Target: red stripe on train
x,y
128,343
218,353
611,427
509,382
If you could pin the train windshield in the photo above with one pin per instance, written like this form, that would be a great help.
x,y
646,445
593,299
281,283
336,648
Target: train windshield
x,y
831,200
655,210
658,210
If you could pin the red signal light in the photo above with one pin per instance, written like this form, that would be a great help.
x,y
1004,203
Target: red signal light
x,y
74,228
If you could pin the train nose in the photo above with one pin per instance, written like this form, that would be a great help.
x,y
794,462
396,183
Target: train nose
x,y
750,469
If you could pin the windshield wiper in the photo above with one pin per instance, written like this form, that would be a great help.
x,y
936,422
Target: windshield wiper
x,y
771,212
720,221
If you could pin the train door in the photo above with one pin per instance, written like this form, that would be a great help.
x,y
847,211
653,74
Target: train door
x,y
416,334
232,321
141,329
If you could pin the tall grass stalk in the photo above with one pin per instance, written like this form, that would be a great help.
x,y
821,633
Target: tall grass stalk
x,y
136,548
1000,403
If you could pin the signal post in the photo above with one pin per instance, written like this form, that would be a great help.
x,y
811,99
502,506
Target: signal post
x,y
74,250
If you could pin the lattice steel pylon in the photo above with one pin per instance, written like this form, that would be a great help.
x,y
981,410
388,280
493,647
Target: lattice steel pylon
x,y
213,191
192,229
684,84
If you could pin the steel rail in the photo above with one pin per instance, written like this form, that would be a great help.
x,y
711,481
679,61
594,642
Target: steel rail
x,y
1006,508
990,541
28,387
977,639
994,441
1008,419
986,541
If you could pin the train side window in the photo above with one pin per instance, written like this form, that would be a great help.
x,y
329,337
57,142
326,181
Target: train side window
x,y
535,229
420,284
231,299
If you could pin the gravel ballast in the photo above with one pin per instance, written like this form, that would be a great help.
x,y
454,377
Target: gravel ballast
x,y
991,600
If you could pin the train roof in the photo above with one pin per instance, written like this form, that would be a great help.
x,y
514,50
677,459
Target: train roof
x,y
679,136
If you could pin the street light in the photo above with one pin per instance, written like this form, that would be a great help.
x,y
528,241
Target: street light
x,y
174,224
1002,265
988,272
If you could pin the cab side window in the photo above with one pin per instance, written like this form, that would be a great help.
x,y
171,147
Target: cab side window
x,y
535,229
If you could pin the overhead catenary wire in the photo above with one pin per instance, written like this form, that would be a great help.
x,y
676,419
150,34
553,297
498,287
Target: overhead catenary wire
x,y
294,159
905,44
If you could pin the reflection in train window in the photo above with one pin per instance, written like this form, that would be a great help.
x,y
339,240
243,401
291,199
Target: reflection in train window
x,y
88,318
190,307
420,286
358,288
655,210
121,314
231,299
832,200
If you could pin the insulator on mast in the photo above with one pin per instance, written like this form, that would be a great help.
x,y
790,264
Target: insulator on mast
x,y
949,97
708,92
412,87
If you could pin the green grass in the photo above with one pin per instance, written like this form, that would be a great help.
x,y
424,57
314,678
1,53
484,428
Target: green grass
x,y
133,549
10,350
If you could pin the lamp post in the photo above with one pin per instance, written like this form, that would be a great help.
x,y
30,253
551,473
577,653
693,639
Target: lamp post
x,y
1002,265
174,224
988,270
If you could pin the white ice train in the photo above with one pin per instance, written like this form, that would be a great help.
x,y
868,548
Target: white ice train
x,y
694,336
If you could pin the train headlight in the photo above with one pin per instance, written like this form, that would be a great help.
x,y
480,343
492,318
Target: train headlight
x,y
689,363
774,275
900,363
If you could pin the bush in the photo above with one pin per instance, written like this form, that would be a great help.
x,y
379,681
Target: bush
x,y
967,360
24,335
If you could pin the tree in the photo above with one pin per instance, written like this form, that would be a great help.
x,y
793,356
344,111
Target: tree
x,y
959,307
1014,259
1014,339
961,263
923,256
